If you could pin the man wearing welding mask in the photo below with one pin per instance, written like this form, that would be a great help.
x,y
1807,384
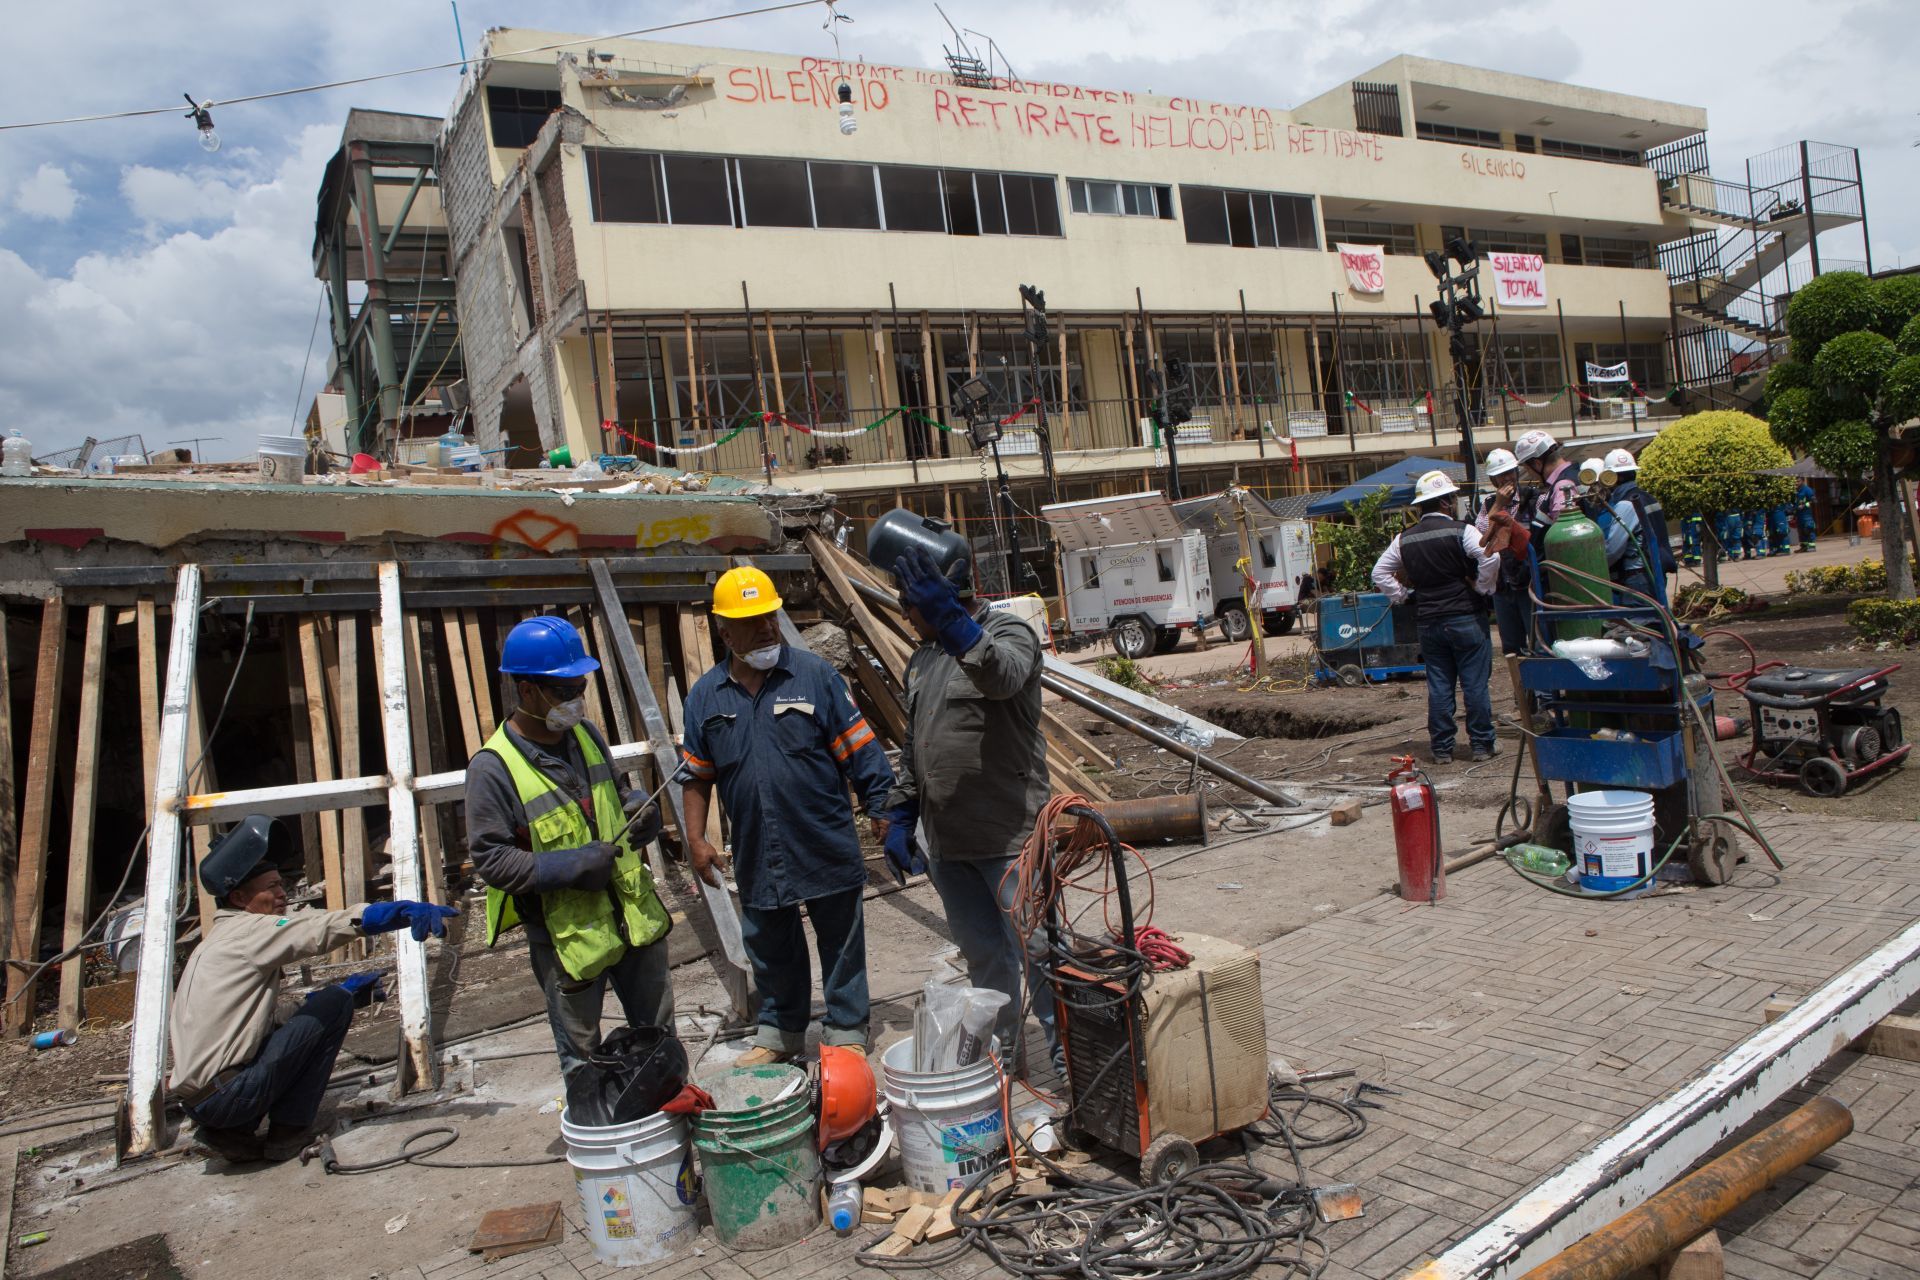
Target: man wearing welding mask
x,y
973,768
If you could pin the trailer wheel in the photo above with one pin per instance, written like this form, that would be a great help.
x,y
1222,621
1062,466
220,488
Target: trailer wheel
x,y
1233,623
1351,676
1281,622
1166,639
1167,1157
1132,638
1823,777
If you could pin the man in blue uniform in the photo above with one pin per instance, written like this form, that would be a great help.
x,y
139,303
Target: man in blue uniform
x,y
1690,540
776,730
1803,512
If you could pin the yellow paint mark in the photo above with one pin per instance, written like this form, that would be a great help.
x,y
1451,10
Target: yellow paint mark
x,y
697,528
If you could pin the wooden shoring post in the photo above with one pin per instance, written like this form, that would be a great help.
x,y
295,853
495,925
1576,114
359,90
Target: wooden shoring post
x,y
313,666
428,728
779,391
300,730
142,1130
652,644
610,686
696,658
353,841
201,775
459,671
147,644
1066,391
734,978
86,772
476,652
36,811
417,1066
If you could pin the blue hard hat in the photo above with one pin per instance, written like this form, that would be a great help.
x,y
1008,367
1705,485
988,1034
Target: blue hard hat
x,y
257,843
546,646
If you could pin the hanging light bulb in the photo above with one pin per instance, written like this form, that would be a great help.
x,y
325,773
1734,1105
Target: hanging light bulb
x,y
202,119
848,125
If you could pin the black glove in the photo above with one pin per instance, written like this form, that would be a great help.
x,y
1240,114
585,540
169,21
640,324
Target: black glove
x,y
588,867
647,829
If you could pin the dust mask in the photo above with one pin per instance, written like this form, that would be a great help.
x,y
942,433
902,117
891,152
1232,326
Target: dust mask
x,y
563,716
763,658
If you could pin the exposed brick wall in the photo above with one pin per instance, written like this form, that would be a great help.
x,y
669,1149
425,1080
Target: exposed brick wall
x,y
563,269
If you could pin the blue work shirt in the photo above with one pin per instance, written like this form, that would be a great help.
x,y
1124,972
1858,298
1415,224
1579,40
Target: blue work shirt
x,y
782,759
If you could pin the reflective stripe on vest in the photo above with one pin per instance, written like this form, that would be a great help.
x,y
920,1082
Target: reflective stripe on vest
x,y
591,929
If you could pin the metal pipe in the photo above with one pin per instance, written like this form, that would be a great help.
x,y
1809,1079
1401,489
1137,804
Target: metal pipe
x,y
1152,818
1252,786
1690,1207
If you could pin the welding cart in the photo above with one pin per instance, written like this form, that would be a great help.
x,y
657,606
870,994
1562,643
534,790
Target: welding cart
x,y
1363,637
1158,1061
1632,723
1822,729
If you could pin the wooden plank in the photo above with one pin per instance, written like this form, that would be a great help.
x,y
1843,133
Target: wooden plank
x,y
459,673
418,1065
476,651
654,642
9,832
199,766
320,734
36,810
300,724
425,724
9,1172
696,650
610,687
1894,1036
353,823
147,642
86,766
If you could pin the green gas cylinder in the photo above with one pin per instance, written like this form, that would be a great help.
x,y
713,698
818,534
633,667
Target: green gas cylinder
x,y
1576,542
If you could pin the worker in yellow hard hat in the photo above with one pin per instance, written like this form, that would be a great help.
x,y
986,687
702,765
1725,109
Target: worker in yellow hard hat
x,y
776,729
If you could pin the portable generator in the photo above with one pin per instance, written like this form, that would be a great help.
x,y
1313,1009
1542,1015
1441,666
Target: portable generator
x,y
1158,1061
1824,729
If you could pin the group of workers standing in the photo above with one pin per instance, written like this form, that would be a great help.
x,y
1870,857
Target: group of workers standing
x,y
773,731
1468,577
1757,534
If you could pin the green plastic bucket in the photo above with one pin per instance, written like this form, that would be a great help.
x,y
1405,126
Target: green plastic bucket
x,y
758,1162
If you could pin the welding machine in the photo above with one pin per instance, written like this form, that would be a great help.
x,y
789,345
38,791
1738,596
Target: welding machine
x,y
1157,1060
1824,729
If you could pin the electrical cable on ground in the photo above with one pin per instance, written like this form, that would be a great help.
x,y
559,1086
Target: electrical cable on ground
x,y
422,1156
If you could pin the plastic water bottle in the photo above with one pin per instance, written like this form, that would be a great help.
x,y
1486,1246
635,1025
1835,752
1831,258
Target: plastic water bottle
x,y
843,1206
16,455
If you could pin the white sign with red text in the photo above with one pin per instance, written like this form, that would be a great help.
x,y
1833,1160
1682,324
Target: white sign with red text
x,y
1519,279
1366,266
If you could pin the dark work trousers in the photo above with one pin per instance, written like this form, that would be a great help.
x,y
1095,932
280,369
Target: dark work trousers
x,y
1513,611
288,1077
1457,649
976,894
777,946
640,979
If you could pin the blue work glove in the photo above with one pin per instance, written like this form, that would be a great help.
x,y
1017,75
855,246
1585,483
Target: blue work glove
x,y
364,988
424,917
922,587
588,867
903,852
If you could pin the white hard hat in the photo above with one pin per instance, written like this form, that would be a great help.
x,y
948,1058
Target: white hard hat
x,y
1533,444
1621,460
1592,470
1434,484
1501,461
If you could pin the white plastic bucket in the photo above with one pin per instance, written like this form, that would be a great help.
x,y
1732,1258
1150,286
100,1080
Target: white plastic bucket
x,y
283,459
1612,838
637,1187
950,1122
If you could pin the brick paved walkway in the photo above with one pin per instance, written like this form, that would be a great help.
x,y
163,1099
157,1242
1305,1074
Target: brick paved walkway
x,y
1520,1027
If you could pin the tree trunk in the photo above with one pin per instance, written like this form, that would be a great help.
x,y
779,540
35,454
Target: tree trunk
x,y
1710,551
1893,521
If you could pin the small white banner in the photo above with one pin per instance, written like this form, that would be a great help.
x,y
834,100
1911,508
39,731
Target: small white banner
x,y
1608,372
1519,279
1366,266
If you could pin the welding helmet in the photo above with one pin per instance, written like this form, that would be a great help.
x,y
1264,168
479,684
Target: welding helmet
x,y
546,648
896,532
848,1097
745,592
258,843
1501,461
1620,461
1534,444
1433,484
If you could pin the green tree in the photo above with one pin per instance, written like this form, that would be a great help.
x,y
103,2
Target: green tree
x,y
1709,463
1358,544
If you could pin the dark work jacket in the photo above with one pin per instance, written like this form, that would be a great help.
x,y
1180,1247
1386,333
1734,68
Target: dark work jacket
x,y
1653,523
1439,569
1516,572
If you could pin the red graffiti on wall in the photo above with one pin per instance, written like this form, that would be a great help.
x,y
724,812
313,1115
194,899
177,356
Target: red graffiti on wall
x,y
810,86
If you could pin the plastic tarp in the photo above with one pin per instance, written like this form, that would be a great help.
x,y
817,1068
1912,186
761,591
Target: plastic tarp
x,y
1396,478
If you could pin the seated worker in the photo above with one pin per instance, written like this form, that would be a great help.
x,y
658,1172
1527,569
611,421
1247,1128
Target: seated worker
x,y
238,1052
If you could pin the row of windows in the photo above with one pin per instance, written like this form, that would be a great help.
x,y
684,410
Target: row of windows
x,y
1248,219
1398,237
1588,151
1431,132
1120,199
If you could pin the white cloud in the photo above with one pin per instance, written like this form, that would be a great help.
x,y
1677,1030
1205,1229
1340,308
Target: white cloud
x,y
167,197
48,193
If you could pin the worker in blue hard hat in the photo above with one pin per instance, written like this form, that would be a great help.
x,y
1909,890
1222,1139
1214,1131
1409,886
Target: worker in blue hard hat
x,y
545,820
238,1053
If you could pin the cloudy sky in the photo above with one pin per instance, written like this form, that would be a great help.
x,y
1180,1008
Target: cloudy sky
x,y
148,287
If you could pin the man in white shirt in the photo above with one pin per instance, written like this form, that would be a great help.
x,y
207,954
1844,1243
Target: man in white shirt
x,y
1441,564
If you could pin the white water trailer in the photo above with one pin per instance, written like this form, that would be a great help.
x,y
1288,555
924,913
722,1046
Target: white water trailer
x,y
1131,571
1282,554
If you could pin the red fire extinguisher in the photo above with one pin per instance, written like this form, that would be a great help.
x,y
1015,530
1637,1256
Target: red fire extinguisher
x,y
1416,833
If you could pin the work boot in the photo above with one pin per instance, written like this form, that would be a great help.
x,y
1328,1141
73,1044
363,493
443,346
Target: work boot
x,y
761,1056
236,1146
1485,753
1443,757
285,1141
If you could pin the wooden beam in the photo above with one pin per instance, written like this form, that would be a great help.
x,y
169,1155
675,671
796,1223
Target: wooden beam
x,y
353,834
147,639
476,652
301,728
418,1066
201,774
320,734
86,773
143,1128
36,811
1894,1036
428,730
610,683
459,671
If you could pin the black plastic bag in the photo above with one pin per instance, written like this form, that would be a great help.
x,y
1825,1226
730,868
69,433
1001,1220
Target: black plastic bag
x,y
636,1071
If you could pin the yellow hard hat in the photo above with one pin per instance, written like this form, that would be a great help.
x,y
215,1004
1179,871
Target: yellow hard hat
x,y
745,592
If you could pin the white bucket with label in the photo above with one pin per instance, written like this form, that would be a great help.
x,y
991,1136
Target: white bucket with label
x,y
950,1122
1612,838
637,1187
283,459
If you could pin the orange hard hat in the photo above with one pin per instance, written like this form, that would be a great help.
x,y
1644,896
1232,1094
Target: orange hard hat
x,y
848,1096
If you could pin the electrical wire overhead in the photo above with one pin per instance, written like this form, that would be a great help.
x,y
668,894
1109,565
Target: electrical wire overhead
x,y
203,107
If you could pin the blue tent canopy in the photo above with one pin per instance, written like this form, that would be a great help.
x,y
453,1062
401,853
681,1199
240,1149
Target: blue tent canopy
x,y
1397,478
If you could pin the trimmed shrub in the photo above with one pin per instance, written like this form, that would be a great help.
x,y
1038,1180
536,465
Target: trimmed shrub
x,y
1845,448
1787,375
1896,302
1878,619
1709,462
1902,389
1832,579
1909,339
1798,414
1853,365
1826,307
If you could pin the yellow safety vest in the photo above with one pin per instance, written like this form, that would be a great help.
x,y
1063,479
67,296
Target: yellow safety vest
x,y
591,929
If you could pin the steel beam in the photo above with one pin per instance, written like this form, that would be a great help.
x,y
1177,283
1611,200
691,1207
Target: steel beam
x,y
418,1066
142,1130
1660,1144
1138,701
